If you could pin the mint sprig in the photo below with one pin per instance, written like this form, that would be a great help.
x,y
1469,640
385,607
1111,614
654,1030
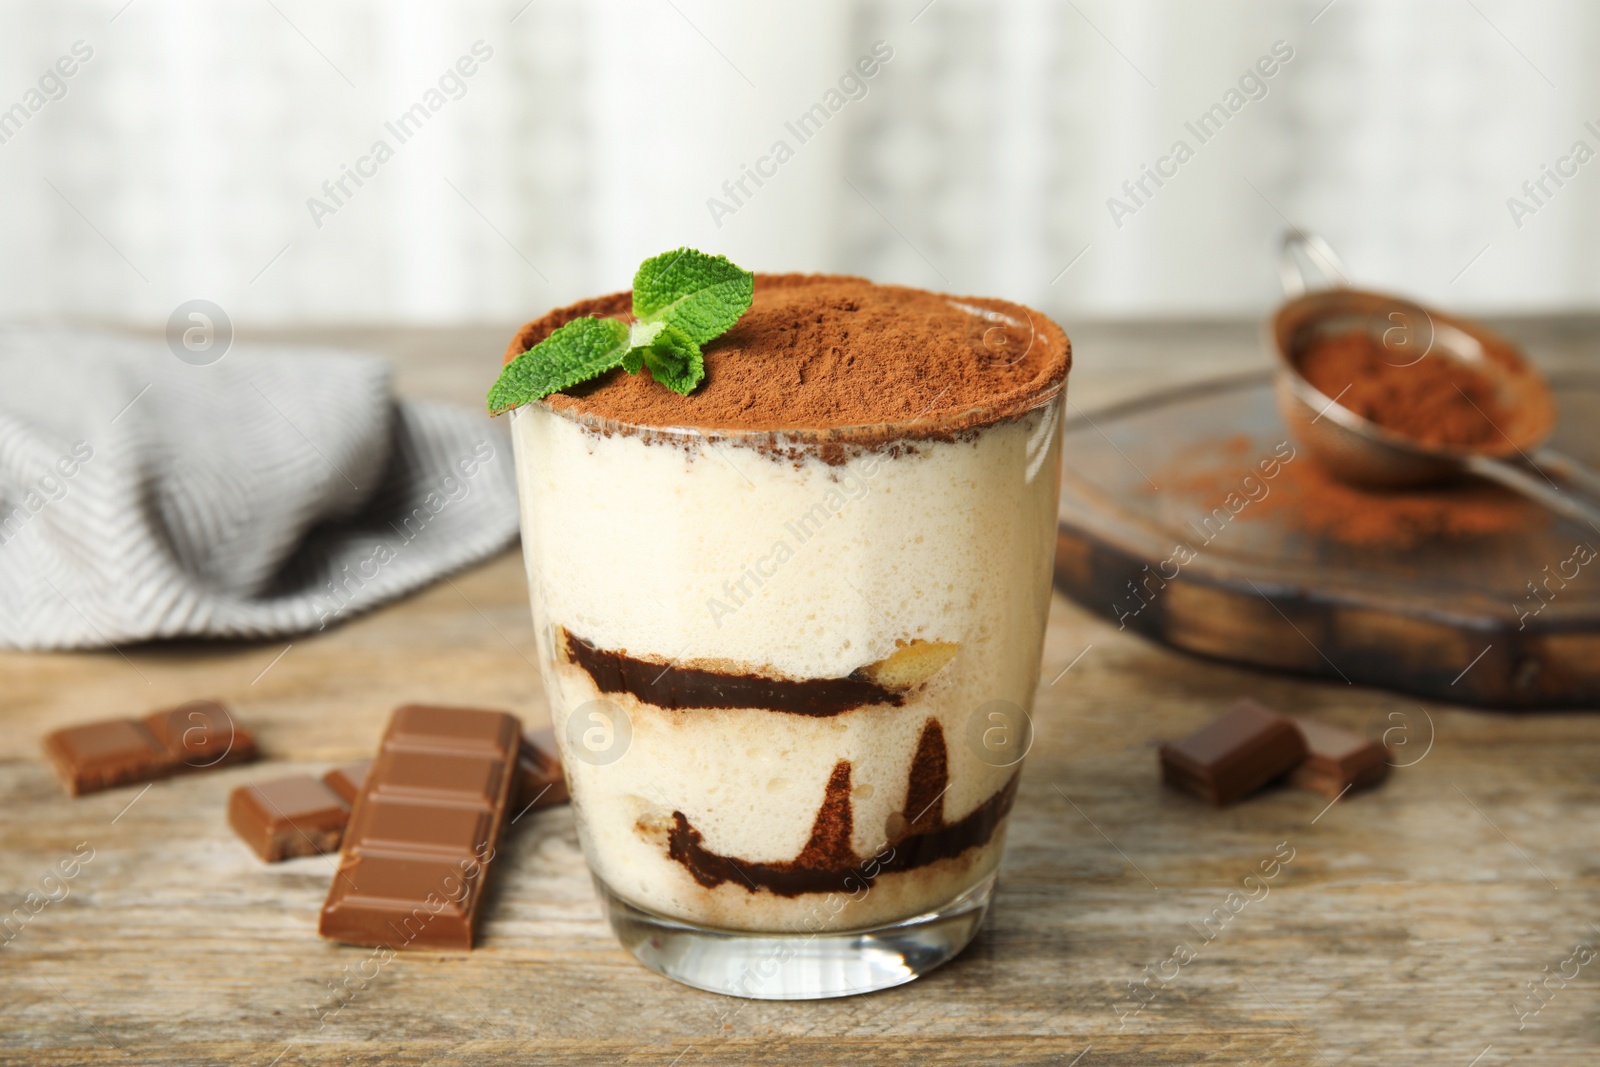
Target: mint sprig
x,y
681,300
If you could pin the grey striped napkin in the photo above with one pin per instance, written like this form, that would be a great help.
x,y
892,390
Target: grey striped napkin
x,y
273,492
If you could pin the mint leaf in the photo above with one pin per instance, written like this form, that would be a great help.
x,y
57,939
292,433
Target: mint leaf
x,y
675,361
701,295
681,300
580,350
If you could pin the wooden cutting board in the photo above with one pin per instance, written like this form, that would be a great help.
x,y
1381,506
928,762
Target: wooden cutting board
x,y
1150,538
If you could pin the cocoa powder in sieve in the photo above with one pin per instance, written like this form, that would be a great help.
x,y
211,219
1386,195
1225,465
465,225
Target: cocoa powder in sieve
x,y
1436,400
828,351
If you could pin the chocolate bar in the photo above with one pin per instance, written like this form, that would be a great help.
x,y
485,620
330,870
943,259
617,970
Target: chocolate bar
x,y
296,816
346,779
1233,756
421,840
541,783
101,755
1337,760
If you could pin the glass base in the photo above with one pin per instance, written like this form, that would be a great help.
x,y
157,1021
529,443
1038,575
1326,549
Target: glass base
x,y
763,966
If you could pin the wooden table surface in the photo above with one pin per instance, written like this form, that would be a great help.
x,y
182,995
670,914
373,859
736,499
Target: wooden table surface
x,y
1405,928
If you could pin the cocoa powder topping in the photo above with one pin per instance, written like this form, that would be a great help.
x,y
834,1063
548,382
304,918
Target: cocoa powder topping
x,y
827,351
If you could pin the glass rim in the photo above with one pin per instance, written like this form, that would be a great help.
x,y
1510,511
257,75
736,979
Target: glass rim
x,y
943,426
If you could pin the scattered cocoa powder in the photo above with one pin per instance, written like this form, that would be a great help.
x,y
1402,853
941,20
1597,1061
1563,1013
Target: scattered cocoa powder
x,y
1303,496
827,351
1307,497
1436,400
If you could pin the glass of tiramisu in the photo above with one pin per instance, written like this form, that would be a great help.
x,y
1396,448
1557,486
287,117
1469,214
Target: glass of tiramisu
x,y
790,625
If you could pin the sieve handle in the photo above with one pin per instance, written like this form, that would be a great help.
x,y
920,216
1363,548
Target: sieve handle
x,y
1518,480
1298,244
1564,466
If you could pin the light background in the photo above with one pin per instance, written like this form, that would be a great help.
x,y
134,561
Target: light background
x,y
179,163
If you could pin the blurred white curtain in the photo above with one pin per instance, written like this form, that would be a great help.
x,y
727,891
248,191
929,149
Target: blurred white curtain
x,y
181,158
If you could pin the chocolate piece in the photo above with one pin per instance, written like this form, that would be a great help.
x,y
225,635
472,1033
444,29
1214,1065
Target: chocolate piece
x,y
541,783
201,734
1234,756
422,836
193,736
346,779
297,816
1338,759
100,755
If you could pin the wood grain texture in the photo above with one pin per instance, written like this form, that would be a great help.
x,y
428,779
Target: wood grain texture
x,y
1401,931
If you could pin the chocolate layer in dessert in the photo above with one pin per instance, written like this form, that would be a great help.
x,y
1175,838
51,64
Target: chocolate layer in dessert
x,y
828,863
668,685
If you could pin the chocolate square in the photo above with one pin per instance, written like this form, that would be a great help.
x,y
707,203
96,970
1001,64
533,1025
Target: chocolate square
x,y
296,816
100,755
423,825
452,776
1337,759
402,901
201,734
1234,756
433,728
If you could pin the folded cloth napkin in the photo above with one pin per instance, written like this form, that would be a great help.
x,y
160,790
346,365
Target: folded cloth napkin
x,y
272,492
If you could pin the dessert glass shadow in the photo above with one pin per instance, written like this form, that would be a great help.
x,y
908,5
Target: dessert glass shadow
x,y
790,672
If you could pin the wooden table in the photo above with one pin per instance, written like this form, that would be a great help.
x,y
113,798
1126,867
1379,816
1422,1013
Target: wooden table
x,y
1403,929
